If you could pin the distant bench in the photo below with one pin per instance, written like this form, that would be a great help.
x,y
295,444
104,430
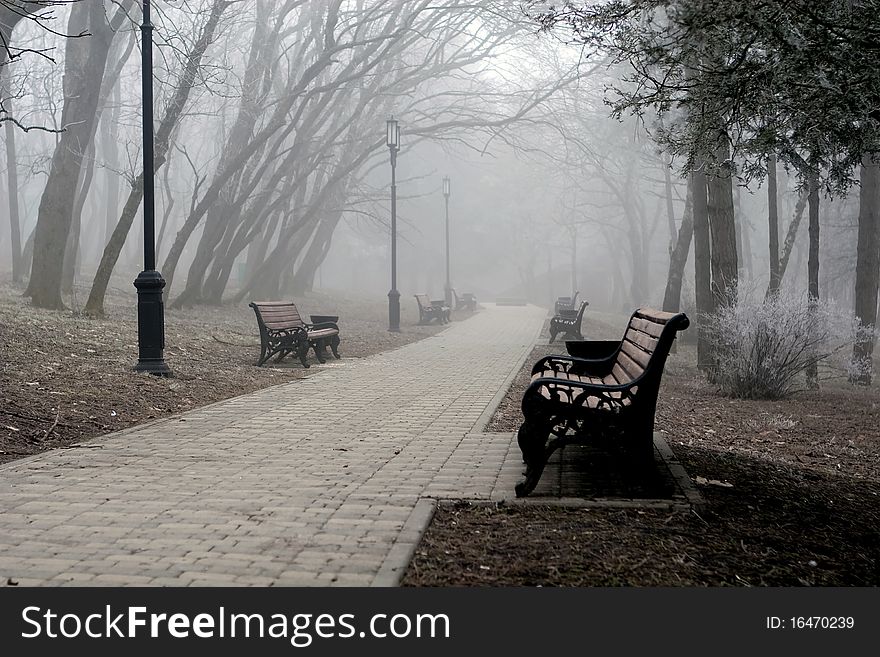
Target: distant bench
x,y
283,331
431,310
565,304
466,301
602,391
568,322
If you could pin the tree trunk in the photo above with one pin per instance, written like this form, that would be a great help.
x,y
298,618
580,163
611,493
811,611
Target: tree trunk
x,y
12,184
168,206
72,251
791,234
679,255
702,267
303,279
723,231
867,268
85,62
110,148
173,112
744,236
773,219
813,264
670,211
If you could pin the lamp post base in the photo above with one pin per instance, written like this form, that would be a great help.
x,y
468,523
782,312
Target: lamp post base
x,y
151,324
394,311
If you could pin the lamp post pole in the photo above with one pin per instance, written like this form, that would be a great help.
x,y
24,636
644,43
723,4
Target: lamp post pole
x,y
446,192
393,143
149,283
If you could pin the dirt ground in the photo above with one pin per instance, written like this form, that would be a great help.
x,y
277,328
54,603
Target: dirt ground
x,y
792,490
65,378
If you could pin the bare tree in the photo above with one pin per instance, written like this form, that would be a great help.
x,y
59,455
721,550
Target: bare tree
x,y
867,267
12,186
773,225
173,113
85,62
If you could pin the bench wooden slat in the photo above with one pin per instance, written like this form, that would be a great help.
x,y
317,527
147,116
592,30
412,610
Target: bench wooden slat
x,y
653,329
633,351
280,312
659,316
618,375
643,340
631,367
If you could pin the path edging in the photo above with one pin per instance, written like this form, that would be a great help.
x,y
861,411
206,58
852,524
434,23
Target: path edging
x,y
401,553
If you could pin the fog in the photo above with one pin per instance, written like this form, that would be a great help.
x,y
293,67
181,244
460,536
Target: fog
x,y
273,175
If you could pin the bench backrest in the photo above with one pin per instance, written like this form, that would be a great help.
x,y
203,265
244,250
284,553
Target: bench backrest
x,y
277,315
423,300
645,345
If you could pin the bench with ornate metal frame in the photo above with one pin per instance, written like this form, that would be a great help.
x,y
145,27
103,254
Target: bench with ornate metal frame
x,y
283,331
430,310
466,301
605,392
565,304
568,322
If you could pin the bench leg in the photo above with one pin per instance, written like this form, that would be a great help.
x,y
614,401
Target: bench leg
x,y
334,346
264,354
318,347
532,439
302,350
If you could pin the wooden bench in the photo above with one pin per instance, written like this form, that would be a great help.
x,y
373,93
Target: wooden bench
x,y
431,310
466,301
283,331
604,392
565,303
568,322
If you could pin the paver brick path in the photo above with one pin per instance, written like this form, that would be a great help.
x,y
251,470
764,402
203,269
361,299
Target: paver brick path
x,y
314,482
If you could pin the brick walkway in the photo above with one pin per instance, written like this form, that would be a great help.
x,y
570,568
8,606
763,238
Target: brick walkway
x,y
315,482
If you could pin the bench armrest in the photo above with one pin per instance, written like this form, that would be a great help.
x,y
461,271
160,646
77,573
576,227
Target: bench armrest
x,y
324,325
598,358
597,389
580,366
592,349
288,331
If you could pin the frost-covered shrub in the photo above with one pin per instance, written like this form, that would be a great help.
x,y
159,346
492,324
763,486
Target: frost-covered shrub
x,y
763,347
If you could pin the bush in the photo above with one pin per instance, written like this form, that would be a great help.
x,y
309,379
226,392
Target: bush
x,y
763,347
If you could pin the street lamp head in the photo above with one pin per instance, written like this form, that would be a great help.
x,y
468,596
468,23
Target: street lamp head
x,y
446,186
392,134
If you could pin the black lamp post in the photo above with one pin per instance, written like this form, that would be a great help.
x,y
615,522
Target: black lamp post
x,y
446,192
392,139
149,283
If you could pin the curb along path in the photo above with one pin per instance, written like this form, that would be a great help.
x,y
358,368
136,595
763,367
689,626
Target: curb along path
x,y
315,482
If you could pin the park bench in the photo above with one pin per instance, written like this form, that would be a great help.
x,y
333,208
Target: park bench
x,y
602,393
430,310
466,301
565,303
568,322
283,331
